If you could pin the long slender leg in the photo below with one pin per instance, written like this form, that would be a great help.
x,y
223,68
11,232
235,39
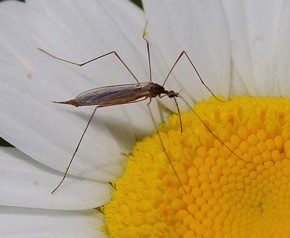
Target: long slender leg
x,y
148,53
214,135
89,61
77,148
190,61
163,146
79,143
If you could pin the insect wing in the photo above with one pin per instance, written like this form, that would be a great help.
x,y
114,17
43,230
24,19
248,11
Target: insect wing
x,y
110,95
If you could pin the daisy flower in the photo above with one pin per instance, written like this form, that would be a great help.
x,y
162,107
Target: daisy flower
x,y
231,158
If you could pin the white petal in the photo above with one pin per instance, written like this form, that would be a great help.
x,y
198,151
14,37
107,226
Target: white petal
x,y
282,62
23,222
26,183
199,28
31,80
254,31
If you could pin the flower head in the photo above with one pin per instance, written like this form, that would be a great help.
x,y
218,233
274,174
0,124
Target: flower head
x,y
232,164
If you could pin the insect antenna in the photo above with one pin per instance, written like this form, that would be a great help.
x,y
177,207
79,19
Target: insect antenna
x,y
179,115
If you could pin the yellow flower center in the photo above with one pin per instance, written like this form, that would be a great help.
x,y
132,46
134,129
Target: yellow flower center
x,y
237,188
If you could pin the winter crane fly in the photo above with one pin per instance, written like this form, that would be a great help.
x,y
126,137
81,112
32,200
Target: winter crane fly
x,y
125,94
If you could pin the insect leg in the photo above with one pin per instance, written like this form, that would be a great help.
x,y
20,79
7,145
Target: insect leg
x,y
163,146
148,53
77,148
211,132
89,61
190,61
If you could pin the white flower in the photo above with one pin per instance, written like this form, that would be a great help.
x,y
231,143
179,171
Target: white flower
x,y
237,47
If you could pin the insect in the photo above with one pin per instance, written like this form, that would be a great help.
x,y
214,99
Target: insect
x,y
125,94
